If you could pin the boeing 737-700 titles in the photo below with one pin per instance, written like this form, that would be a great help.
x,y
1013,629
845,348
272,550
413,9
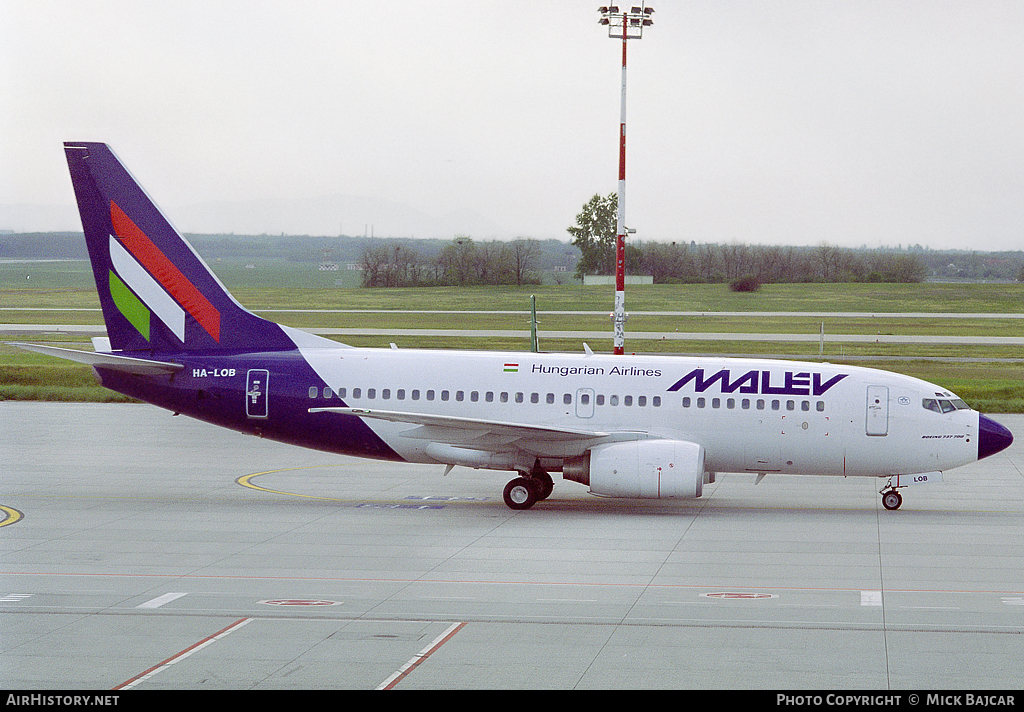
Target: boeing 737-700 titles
x,y
625,426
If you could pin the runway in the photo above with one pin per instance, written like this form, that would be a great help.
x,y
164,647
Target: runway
x,y
145,551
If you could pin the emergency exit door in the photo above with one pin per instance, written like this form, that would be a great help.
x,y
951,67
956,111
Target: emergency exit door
x,y
256,382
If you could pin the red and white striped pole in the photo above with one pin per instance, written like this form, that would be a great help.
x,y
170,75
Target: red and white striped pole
x,y
619,341
632,24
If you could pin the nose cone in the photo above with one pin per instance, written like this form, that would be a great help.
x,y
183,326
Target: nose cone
x,y
992,437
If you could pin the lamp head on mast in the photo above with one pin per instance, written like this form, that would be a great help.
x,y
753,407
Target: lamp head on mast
x,y
623,24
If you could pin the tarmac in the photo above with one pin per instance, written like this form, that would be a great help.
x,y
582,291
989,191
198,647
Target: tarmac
x,y
144,551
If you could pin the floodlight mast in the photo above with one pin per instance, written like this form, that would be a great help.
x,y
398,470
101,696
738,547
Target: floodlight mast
x,y
625,26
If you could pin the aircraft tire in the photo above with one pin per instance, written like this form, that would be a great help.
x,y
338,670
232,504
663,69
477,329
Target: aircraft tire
x,y
892,500
520,493
543,484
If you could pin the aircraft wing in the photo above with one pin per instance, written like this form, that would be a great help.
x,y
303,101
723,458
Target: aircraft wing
x,y
127,364
472,432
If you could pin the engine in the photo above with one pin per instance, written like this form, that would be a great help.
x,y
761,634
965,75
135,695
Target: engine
x,y
655,469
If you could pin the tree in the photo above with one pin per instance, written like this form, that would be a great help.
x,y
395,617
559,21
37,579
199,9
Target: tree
x,y
524,255
594,235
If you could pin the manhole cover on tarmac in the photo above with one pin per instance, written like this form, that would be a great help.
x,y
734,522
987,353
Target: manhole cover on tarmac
x,y
739,596
299,602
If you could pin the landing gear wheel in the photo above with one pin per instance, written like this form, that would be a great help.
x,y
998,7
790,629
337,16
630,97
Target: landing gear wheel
x,y
892,500
520,493
543,483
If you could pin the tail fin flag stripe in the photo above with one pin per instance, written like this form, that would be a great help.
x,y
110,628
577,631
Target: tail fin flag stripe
x,y
146,289
158,265
129,305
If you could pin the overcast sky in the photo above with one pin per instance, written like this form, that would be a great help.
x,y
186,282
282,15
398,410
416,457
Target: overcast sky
x,y
759,121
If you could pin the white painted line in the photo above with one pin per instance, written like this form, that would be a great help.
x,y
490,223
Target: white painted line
x,y
871,598
160,667
421,656
161,600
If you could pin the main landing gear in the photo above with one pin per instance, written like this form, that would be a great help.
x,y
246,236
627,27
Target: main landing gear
x,y
525,491
891,499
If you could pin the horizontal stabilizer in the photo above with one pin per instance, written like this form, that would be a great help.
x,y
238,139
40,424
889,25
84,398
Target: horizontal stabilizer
x,y
126,364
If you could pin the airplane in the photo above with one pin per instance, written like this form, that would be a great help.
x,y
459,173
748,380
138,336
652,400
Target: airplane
x,y
634,426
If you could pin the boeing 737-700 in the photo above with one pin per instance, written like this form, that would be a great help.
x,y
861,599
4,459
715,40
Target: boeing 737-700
x,y
640,426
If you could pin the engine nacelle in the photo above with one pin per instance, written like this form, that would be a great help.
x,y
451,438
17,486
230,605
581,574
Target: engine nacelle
x,y
655,469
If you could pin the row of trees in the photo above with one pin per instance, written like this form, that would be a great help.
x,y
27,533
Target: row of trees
x,y
767,263
462,262
594,235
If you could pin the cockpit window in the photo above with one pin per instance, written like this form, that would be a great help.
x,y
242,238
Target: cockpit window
x,y
942,405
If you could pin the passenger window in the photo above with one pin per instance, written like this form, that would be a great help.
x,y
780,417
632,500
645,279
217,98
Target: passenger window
x,y
386,394
504,397
584,398
400,394
519,397
656,401
415,394
730,403
313,391
686,401
550,398
716,402
430,395
641,401
371,392
567,398
627,400
745,404
821,406
444,395
600,399
357,392
613,400
535,398
489,396
776,405
459,396
760,403
700,402
805,405
341,393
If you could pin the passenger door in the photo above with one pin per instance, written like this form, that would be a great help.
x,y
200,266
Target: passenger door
x,y
878,411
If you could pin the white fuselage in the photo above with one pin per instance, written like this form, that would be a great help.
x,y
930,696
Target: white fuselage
x,y
750,415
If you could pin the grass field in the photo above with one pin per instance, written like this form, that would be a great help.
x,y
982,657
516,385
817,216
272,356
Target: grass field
x,y
31,292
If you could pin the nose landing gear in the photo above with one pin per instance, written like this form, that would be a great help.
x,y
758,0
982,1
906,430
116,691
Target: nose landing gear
x,y
891,498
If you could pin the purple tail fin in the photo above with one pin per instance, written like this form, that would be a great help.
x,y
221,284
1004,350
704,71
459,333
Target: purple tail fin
x,y
157,294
